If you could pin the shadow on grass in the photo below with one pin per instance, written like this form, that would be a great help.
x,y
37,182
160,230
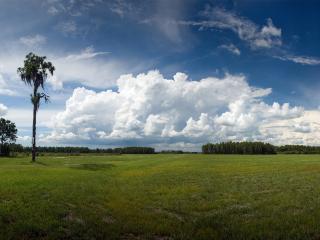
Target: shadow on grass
x,y
39,163
92,166
36,163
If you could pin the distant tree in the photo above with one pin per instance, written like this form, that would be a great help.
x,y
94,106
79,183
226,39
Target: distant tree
x,y
8,135
17,148
34,73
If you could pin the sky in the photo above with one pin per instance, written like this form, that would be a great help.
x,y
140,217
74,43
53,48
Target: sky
x,y
171,74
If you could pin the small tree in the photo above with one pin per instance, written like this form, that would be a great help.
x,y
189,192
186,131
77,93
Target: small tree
x,y
34,73
8,135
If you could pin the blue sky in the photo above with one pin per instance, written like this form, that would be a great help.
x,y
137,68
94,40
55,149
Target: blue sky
x,y
270,46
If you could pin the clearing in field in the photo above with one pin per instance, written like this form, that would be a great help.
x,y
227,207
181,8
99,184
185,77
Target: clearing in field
x,y
160,197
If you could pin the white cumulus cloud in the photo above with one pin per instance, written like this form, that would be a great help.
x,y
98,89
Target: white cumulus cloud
x,y
149,109
301,130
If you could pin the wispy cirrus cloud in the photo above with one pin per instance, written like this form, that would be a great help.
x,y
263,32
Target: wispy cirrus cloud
x,y
304,60
165,18
68,27
69,7
52,10
86,67
33,40
231,48
86,53
257,37
4,88
121,7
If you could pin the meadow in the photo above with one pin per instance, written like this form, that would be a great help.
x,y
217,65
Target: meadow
x,y
161,197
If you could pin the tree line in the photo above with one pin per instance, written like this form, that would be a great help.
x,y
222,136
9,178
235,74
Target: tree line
x,y
257,148
18,148
210,148
239,148
298,149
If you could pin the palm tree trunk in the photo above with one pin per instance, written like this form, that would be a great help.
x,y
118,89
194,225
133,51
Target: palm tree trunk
x,y
34,122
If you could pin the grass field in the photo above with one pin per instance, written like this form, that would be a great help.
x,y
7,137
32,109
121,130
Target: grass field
x,y
161,197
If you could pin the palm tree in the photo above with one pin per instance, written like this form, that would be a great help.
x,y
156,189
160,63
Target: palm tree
x,y
34,73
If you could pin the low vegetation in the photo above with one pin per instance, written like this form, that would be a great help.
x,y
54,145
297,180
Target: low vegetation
x,y
160,196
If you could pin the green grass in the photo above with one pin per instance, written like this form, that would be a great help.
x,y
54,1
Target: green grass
x,y
161,197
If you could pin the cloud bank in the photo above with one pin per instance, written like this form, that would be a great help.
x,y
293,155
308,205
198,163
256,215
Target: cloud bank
x,y
151,110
